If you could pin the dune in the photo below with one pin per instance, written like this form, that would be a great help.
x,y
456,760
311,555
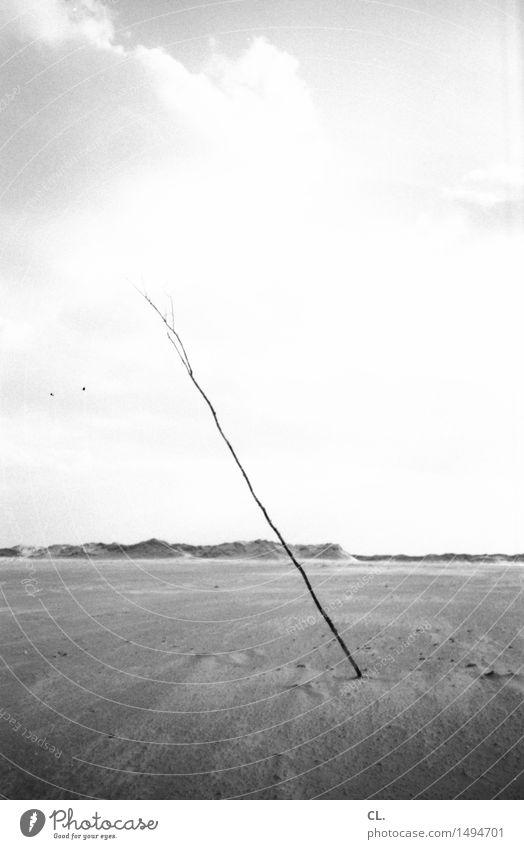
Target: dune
x,y
258,549
155,548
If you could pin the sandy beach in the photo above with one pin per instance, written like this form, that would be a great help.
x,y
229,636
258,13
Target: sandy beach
x,y
216,679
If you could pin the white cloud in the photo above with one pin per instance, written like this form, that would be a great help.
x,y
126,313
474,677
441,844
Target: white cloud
x,y
255,105
58,21
242,148
495,193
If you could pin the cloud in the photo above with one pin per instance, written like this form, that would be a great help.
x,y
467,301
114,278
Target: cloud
x,y
189,177
57,21
256,103
253,104
226,156
492,196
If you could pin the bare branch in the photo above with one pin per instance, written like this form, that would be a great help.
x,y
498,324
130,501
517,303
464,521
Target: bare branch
x,y
177,343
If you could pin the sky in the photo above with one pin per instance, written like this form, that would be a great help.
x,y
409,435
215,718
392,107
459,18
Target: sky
x,y
332,195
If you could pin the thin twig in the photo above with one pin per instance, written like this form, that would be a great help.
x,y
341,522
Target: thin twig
x,y
177,343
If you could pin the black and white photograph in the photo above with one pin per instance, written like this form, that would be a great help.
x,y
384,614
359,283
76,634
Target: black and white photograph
x,y
261,406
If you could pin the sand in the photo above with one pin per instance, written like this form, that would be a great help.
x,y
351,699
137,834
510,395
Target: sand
x,y
216,679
